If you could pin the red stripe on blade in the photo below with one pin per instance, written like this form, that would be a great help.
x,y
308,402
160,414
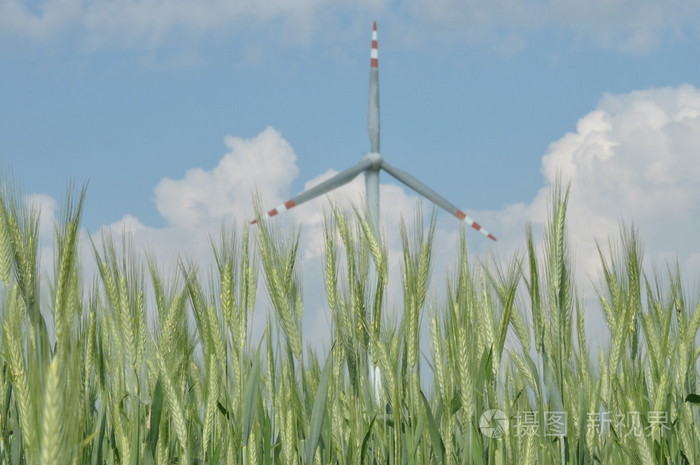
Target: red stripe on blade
x,y
476,226
460,214
374,63
272,212
492,237
289,204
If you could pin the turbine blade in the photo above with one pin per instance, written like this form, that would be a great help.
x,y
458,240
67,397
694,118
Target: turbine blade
x,y
373,113
326,186
433,196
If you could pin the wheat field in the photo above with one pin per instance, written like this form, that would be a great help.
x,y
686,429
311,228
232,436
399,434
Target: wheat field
x,y
145,366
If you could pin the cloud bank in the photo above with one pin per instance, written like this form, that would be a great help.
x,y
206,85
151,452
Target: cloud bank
x,y
265,163
633,159
627,25
631,26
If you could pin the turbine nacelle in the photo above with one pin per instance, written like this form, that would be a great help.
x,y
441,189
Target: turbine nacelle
x,y
375,158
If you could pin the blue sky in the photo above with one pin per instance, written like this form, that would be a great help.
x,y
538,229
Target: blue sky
x,y
482,100
466,114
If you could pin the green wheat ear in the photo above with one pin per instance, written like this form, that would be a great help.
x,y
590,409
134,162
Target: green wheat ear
x,y
177,368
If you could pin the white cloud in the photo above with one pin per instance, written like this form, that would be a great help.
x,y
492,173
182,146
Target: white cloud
x,y
632,26
46,206
196,205
265,163
151,23
633,159
626,25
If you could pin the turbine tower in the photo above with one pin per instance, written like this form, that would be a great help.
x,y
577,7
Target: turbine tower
x,y
371,163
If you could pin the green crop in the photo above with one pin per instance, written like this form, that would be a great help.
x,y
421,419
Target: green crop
x,y
144,366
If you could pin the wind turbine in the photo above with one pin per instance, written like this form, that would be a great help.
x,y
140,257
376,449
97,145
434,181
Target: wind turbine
x,y
371,163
